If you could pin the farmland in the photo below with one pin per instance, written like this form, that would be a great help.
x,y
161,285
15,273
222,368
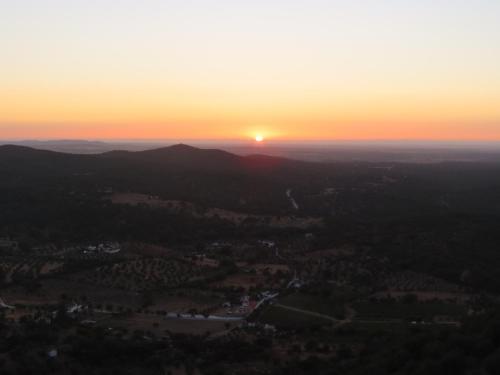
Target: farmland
x,y
279,268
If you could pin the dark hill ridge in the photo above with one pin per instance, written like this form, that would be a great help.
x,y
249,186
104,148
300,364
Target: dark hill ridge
x,y
23,151
179,156
21,158
210,177
252,184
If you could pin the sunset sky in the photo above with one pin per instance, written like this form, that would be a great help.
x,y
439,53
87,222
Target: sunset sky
x,y
229,69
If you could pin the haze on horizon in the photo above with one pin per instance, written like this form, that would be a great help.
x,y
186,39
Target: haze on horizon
x,y
295,70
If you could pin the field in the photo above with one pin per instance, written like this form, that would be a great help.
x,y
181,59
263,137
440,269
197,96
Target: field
x,y
50,292
159,325
236,218
414,281
321,305
284,318
109,300
241,280
16,268
407,311
427,296
144,274
271,269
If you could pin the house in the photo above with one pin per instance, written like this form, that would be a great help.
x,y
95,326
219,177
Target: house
x,y
7,244
269,328
110,248
267,243
74,308
245,300
3,305
107,248
266,294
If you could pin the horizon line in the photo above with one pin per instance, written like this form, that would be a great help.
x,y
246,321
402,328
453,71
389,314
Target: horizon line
x,y
249,140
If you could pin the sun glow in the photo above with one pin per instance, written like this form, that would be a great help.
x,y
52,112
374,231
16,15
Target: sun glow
x,y
292,78
259,138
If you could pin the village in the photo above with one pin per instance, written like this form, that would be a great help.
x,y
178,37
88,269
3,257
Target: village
x,y
160,291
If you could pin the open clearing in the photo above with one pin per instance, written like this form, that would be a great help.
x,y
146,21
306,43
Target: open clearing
x,y
236,218
159,325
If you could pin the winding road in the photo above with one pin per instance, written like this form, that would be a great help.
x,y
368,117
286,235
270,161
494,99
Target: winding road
x,y
292,199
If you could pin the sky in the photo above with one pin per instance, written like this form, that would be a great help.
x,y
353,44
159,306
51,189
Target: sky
x,y
231,69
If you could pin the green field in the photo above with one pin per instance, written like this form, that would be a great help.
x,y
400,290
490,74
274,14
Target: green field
x,y
411,311
326,306
284,318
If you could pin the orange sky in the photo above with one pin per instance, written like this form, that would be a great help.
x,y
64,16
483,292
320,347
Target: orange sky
x,y
304,70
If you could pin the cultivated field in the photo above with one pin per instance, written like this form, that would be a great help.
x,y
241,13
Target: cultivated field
x,y
236,218
144,274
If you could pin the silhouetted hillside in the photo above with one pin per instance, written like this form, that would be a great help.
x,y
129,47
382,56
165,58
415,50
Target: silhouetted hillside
x,y
258,183
205,176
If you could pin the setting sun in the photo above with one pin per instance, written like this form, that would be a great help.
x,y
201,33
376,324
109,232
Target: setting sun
x,y
259,138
